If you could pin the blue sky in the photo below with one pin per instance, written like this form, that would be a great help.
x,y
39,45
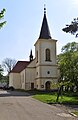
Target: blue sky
x,y
24,19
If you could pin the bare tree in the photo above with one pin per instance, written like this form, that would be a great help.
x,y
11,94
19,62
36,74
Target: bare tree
x,y
8,64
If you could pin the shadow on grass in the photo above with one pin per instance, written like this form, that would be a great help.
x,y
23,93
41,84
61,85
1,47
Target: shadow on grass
x,y
40,92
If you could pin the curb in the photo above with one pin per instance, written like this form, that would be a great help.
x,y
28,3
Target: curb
x,y
73,114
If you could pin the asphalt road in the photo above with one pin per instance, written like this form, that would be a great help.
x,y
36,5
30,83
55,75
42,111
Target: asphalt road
x,y
21,106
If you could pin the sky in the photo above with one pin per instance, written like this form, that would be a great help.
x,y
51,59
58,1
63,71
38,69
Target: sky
x,y
24,20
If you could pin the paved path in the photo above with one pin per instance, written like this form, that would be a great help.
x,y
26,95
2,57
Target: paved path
x,y
21,106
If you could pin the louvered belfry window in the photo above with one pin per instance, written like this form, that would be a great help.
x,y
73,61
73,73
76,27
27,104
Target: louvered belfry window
x,y
47,53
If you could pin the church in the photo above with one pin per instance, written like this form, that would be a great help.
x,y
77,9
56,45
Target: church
x,y
42,71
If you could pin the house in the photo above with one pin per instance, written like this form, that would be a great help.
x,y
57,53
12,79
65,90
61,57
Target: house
x,y
42,71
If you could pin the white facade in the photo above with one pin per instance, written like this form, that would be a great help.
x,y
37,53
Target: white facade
x,y
15,80
46,70
41,72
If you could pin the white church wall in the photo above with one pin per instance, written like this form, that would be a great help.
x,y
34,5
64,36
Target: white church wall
x,y
38,84
11,79
37,49
30,77
14,80
51,45
32,64
27,76
23,76
52,81
38,73
41,83
41,45
49,71
46,70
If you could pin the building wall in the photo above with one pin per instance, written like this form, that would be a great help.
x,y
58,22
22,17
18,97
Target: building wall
x,y
41,45
27,76
45,70
14,80
48,71
23,77
41,83
30,77
38,73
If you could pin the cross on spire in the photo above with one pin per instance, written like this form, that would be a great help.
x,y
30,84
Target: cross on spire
x,y
44,9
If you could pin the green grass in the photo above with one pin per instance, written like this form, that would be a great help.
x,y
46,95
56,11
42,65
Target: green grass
x,y
67,98
76,113
45,98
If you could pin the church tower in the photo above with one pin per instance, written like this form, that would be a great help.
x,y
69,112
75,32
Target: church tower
x,y
45,52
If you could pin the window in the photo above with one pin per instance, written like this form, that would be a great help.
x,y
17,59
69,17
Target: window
x,y
47,53
37,73
37,56
48,72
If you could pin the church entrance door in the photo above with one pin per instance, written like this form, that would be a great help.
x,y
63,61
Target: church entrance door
x,y
48,85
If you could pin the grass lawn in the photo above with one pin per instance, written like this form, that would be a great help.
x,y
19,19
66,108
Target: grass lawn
x,y
46,97
67,98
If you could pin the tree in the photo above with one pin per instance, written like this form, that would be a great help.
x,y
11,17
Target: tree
x,y
8,64
1,17
68,62
1,72
72,28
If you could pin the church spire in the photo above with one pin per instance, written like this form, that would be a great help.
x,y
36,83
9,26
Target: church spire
x,y
45,33
31,56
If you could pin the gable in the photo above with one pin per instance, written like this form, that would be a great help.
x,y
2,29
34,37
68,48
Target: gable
x,y
20,66
32,64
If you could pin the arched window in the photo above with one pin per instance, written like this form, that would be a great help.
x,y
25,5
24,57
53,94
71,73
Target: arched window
x,y
47,54
37,56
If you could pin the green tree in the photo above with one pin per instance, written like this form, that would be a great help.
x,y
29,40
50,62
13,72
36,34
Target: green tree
x,y
1,18
68,62
72,27
1,73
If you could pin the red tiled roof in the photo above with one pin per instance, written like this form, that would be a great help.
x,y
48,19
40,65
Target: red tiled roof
x,y
20,65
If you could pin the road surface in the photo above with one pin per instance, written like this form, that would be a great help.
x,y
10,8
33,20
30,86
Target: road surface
x,y
21,106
